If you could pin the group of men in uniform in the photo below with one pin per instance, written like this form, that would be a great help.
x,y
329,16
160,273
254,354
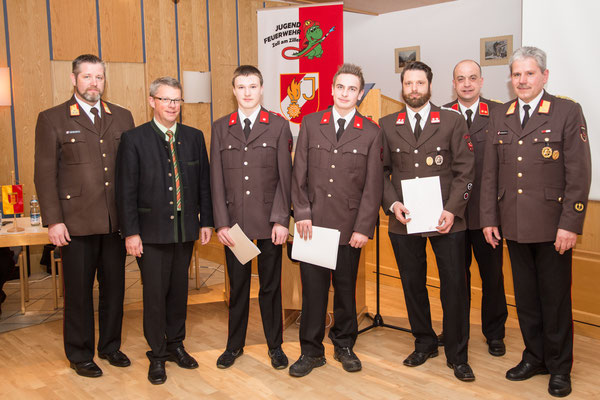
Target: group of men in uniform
x,y
523,166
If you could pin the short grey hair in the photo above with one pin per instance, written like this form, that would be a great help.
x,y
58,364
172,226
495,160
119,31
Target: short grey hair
x,y
538,55
164,80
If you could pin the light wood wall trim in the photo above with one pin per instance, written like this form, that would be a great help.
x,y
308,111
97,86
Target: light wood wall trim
x,y
74,28
126,86
121,30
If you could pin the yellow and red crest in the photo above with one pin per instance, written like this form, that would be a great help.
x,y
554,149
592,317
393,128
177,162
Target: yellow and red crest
x,y
544,107
74,110
511,109
106,109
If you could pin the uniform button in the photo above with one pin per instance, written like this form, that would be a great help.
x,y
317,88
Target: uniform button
x,y
500,141
330,180
520,142
417,165
68,196
354,151
172,217
264,145
397,150
535,140
332,166
559,199
247,192
520,158
73,140
547,139
416,151
438,148
246,178
520,175
335,151
106,168
520,191
229,147
245,149
103,154
328,194
170,174
171,203
106,183
245,162
101,141
170,188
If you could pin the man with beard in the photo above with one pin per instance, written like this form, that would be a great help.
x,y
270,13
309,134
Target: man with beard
x,y
476,110
423,140
75,151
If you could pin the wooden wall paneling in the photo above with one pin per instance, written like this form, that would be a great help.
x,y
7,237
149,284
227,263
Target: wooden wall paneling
x,y
7,162
74,28
31,82
121,30
62,87
125,85
197,115
248,30
223,54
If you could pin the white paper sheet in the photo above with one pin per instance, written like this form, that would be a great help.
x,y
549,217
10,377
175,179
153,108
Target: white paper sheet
x,y
244,249
321,250
423,198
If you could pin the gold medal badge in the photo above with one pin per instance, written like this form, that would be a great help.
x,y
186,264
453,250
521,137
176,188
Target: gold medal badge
x,y
429,161
439,160
547,152
555,155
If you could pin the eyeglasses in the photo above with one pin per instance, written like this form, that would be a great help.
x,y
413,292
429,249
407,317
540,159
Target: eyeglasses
x,y
167,102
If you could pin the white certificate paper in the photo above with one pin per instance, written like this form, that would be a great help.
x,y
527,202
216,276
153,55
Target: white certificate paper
x,y
244,249
423,198
321,250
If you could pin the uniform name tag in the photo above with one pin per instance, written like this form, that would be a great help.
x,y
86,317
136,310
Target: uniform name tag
x,y
72,132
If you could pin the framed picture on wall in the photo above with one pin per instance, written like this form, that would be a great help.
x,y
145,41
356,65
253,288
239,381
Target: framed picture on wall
x,y
495,50
404,55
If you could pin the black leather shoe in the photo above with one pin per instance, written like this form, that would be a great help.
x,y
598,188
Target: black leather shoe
x,y
441,339
349,360
156,373
278,358
183,359
462,371
228,357
88,369
525,370
116,358
496,347
417,358
305,364
560,385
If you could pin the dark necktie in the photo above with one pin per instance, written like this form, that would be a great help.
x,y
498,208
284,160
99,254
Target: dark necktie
x,y
526,108
97,120
417,126
341,123
469,115
246,128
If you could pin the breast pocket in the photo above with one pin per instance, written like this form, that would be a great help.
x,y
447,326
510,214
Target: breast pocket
x,y
318,154
402,158
502,143
231,154
548,146
354,157
75,150
265,150
438,157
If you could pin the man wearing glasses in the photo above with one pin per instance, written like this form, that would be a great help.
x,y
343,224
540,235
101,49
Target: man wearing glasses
x,y
163,198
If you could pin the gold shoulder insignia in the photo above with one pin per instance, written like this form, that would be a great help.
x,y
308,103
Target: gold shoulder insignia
x,y
496,101
566,98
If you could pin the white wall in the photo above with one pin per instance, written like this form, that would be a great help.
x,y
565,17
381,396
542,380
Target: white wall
x,y
447,33
568,32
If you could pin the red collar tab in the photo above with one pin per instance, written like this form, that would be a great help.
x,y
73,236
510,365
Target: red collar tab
x,y
106,109
264,117
435,117
326,118
484,109
233,118
358,122
371,119
74,110
401,119
455,107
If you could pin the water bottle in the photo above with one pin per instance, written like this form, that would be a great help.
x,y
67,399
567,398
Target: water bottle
x,y
34,211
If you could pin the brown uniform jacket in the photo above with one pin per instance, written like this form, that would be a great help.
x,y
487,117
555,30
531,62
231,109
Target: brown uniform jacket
x,y
443,138
75,167
335,184
251,179
539,176
478,133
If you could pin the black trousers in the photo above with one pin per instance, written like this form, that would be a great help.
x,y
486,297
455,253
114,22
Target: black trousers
x,y
83,259
542,280
315,294
449,252
164,269
493,302
269,295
